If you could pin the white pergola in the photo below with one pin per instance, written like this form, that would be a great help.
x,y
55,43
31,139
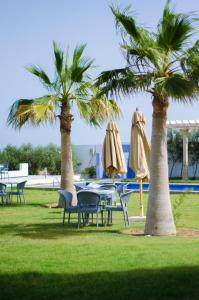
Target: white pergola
x,y
184,126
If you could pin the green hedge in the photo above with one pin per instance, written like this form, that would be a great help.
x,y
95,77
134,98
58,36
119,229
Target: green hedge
x,y
38,158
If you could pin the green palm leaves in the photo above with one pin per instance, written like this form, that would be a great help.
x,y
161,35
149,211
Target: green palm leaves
x,y
174,30
71,84
33,112
157,62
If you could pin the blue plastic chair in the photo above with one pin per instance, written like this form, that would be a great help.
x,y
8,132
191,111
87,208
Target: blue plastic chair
x,y
78,187
88,203
3,193
109,198
121,188
4,170
67,197
19,192
124,199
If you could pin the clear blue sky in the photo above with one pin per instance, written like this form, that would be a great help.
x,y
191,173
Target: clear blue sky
x,y
27,30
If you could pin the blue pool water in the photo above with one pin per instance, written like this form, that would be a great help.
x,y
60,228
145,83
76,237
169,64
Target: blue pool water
x,y
173,187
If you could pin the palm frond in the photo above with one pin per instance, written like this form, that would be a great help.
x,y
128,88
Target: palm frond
x,y
98,108
79,64
37,71
177,86
83,91
127,22
142,57
77,54
190,62
32,111
102,108
78,72
174,30
123,81
59,58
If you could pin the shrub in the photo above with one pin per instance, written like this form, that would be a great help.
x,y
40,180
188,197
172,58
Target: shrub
x,y
89,172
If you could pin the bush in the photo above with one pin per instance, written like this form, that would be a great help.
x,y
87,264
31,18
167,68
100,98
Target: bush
x,y
38,158
89,172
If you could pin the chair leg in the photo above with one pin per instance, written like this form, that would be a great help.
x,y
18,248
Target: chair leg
x,y
79,219
102,217
109,220
97,219
127,217
83,218
23,198
69,218
64,217
124,218
87,219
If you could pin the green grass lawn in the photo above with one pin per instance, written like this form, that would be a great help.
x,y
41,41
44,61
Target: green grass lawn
x,y
41,259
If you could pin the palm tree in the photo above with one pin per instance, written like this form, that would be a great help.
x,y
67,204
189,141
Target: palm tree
x,y
71,85
162,64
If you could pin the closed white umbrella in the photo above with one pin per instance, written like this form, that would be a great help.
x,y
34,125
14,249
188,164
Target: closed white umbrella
x,y
113,160
139,152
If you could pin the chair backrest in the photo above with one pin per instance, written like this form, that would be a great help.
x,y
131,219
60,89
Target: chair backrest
x,y
78,187
121,188
108,187
21,185
88,199
92,185
124,198
2,187
66,198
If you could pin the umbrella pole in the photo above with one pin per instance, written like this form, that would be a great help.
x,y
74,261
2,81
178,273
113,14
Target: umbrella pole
x,y
141,200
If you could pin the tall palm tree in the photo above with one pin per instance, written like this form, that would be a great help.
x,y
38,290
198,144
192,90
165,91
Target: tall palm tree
x,y
71,85
162,64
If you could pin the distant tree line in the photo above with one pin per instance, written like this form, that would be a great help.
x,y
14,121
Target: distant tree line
x,y
175,150
38,158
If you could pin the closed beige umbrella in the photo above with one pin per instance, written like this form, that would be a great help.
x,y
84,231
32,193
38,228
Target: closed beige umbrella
x,y
113,160
139,152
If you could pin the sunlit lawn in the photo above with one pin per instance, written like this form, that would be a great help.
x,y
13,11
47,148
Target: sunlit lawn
x,y
41,259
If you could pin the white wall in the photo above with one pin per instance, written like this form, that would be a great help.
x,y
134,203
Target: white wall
x,y
87,155
22,172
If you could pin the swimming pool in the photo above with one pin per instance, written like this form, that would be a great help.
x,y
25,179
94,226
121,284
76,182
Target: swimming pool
x,y
173,187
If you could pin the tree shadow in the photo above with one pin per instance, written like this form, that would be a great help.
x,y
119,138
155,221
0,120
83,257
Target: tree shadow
x,y
52,231
148,284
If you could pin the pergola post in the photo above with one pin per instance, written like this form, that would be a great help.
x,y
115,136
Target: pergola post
x,y
184,126
185,175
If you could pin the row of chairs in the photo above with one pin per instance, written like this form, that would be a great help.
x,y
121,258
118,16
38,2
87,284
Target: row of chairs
x,y
6,196
90,202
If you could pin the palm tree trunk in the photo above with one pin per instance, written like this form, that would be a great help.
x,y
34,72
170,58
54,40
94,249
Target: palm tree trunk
x,y
67,174
159,219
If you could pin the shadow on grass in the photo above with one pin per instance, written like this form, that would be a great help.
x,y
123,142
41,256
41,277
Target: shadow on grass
x,y
52,231
156,284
